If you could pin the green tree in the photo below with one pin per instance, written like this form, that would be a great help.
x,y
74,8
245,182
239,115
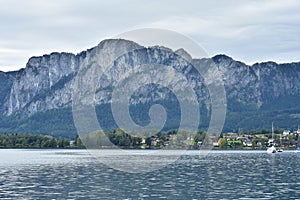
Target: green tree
x,y
78,143
148,142
199,137
222,142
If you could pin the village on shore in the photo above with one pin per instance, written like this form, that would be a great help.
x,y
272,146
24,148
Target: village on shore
x,y
285,139
172,139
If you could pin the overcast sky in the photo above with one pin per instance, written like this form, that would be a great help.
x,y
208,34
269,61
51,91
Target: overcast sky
x,y
249,31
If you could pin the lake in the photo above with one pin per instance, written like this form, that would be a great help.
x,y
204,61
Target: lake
x,y
75,174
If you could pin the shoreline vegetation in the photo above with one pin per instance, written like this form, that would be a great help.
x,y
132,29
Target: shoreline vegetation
x,y
252,140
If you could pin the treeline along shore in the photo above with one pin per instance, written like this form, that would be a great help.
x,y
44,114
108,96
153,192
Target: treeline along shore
x,y
169,140
32,141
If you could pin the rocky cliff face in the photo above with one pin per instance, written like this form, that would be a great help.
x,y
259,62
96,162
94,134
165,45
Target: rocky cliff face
x,y
261,82
33,88
47,82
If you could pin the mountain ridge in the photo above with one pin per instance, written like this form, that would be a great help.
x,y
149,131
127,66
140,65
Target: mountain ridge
x,y
215,57
45,85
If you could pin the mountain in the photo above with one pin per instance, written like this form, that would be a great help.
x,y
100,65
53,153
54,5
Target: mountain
x,y
38,98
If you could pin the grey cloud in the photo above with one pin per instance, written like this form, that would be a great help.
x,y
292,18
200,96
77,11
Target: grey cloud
x,y
247,30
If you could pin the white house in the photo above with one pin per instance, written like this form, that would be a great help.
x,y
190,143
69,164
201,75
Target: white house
x,y
286,132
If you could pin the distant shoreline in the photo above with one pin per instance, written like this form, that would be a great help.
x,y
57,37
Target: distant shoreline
x,y
129,149
170,140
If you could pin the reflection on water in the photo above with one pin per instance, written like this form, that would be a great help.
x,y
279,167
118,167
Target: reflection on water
x,y
74,174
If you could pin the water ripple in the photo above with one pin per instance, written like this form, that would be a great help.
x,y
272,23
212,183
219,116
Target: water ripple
x,y
61,174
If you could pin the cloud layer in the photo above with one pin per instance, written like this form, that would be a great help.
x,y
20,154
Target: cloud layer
x,y
247,30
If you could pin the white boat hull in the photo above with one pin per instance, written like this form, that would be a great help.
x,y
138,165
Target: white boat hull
x,y
271,149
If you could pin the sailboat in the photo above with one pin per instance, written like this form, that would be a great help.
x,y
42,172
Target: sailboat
x,y
272,149
298,132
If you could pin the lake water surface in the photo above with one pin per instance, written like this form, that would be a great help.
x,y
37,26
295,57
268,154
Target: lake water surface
x,y
75,174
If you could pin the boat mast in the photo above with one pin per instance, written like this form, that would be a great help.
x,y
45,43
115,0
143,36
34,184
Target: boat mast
x,y
272,132
298,131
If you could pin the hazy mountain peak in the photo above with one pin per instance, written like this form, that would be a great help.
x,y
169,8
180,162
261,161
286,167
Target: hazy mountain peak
x,y
160,48
221,57
183,53
118,43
